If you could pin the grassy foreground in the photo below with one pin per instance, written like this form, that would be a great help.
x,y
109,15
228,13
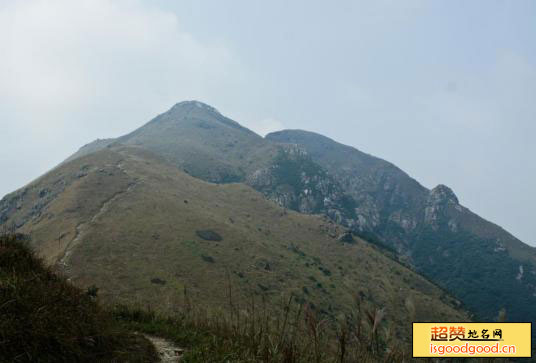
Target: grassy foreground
x,y
296,335
43,318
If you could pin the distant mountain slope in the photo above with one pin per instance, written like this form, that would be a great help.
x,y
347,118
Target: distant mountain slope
x,y
482,263
130,222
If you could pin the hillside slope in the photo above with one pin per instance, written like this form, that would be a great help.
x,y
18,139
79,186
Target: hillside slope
x,y
143,231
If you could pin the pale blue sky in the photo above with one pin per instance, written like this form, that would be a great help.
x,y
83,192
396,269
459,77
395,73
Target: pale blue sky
x,y
446,90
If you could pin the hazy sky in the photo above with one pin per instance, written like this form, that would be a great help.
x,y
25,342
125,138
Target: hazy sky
x,y
446,90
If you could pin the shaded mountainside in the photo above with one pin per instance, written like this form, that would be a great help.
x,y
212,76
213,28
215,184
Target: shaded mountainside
x,y
480,262
143,231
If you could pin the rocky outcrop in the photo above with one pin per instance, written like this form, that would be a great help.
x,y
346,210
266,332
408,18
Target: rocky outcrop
x,y
294,181
437,209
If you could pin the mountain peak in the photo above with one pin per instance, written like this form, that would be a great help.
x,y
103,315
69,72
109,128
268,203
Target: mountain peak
x,y
193,104
443,194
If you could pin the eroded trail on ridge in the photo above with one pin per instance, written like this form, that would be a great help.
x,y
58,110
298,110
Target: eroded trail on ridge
x,y
81,228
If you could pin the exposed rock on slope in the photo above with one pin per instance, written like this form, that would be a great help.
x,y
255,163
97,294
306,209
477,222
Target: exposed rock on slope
x,y
383,193
440,199
294,181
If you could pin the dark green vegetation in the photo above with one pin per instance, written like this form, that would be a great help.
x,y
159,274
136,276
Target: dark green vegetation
x,y
208,235
43,318
466,259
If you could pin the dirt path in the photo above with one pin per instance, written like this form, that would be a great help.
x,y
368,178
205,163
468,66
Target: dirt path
x,y
81,228
168,352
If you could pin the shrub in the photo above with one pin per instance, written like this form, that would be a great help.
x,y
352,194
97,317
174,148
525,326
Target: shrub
x,y
209,235
208,259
